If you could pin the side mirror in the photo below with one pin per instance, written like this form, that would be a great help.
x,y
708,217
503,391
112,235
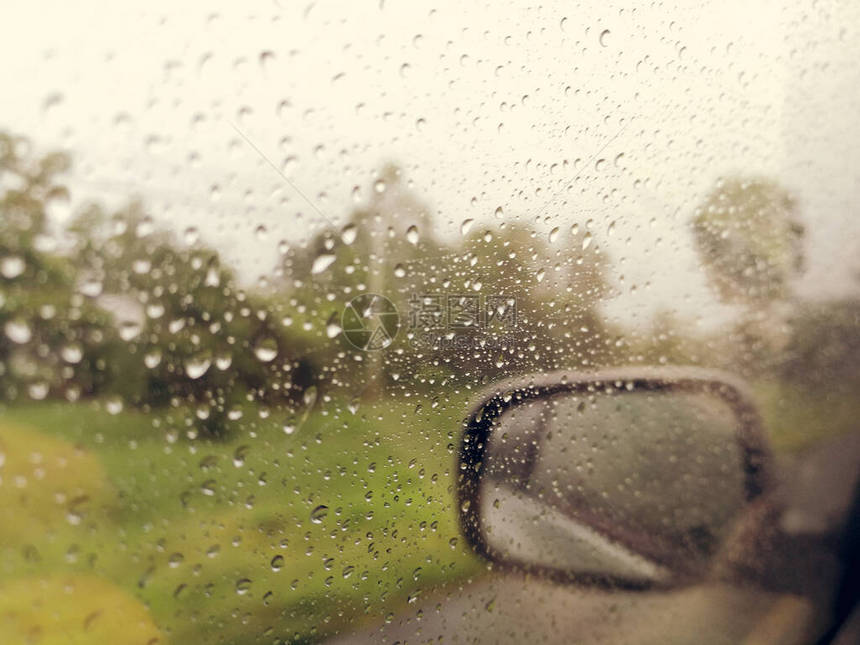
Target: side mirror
x,y
630,477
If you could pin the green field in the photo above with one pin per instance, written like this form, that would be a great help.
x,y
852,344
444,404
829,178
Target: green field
x,y
223,541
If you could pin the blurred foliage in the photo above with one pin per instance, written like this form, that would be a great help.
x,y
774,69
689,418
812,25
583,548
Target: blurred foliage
x,y
55,339
199,338
486,305
114,306
750,239
823,352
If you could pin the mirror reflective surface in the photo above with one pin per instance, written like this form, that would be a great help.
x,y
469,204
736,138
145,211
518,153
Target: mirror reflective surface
x,y
637,486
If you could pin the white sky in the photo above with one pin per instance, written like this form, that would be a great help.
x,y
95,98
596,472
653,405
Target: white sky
x,y
481,103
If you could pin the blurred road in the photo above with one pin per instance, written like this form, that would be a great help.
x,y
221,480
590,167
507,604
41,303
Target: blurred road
x,y
510,609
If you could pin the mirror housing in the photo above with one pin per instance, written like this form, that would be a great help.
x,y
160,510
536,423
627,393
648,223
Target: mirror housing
x,y
526,501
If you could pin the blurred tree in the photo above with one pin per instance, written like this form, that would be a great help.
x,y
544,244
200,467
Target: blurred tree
x,y
55,340
488,305
750,241
555,292
386,247
199,339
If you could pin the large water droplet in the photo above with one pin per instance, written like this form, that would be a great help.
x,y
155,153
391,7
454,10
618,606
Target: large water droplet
x,y
239,455
322,262
72,353
152,359
348,234
129,330
114,405
18,331
412,235
197,366
332,327
266,349
318,514
12,266
604,38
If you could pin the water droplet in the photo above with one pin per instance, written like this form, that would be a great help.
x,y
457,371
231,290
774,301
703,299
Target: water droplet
x,y
267,58
18,331
586,241
499,213
129,330
399,271
465,226
266,349
332,327
239,455
154,310
277,563
322,262
553,235
72,353
12,266
318,514
604,38
91,287
191,235
38,391
152,359
223,361
243,586
412,235
310,397
348,234
197,366
114,405
540,274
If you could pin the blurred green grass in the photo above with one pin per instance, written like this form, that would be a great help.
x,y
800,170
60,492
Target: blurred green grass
x,y
217,538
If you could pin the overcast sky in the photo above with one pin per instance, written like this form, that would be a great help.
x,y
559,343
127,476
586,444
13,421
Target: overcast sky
x,y
497,104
